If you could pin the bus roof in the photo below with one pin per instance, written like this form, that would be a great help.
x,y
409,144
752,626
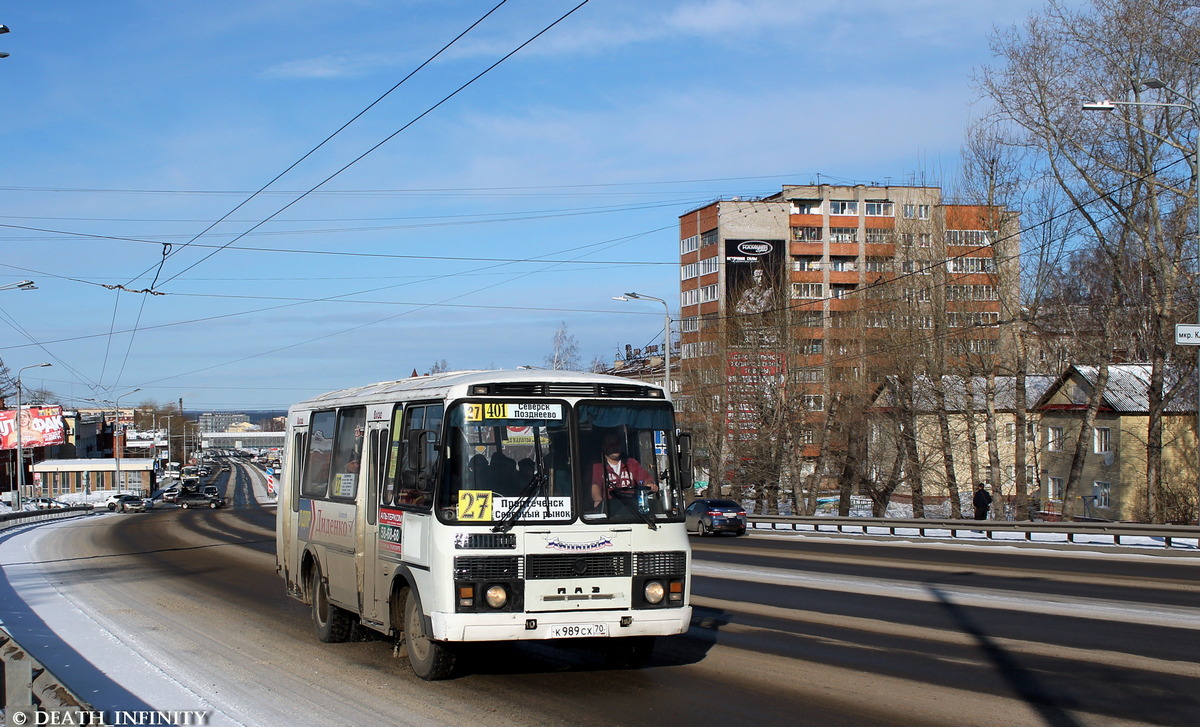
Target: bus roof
x,y
453,384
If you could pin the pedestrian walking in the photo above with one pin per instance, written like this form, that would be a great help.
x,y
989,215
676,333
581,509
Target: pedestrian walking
x,y
982,502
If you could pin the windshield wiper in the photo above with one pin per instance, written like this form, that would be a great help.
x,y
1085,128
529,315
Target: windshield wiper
x,y
519,507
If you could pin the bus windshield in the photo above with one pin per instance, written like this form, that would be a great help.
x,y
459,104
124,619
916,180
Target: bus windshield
x,y
514,462
625,465
508,460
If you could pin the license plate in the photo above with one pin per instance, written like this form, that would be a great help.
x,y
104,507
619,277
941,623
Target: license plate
x,y
575,631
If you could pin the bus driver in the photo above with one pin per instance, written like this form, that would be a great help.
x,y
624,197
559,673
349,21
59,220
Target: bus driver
x,y
617,474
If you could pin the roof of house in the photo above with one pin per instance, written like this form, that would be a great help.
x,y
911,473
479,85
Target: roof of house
x,y
958,399
1128,386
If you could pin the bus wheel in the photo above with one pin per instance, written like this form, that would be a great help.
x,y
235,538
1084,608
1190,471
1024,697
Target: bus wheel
x,y
332,623
430,660
628,652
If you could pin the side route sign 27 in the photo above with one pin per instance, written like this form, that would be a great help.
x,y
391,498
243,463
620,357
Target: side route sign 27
x,y
1187,334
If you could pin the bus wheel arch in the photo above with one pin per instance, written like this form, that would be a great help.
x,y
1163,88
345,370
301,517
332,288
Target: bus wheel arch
x,y
333,624
430,660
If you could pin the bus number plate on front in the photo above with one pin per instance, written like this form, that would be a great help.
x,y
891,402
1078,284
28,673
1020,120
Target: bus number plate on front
x,y
576,631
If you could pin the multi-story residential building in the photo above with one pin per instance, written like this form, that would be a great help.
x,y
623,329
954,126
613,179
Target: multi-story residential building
x,y
221,421
820,289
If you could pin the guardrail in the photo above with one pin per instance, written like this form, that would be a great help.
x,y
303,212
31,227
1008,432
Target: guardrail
x,y
1168,533
20,517
29,687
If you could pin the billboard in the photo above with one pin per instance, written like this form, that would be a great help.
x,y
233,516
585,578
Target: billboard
x,y
754,275
41,426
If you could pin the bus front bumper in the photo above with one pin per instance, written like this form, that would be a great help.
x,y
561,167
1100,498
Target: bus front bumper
x,y
556,625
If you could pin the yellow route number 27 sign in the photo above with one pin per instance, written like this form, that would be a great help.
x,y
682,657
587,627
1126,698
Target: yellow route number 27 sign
x,y
475,505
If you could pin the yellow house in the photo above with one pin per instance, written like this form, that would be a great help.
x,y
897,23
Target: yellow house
x,y
1113,481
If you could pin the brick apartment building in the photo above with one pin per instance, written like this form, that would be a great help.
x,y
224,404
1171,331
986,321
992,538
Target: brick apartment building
x,y
808,288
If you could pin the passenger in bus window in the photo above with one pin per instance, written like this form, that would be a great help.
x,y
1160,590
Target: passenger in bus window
x,y
503,472
617,475
479,473
525,471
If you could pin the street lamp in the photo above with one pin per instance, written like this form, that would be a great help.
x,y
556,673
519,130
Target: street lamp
x,y
20,447
116,450
666,331
23,285
1194,106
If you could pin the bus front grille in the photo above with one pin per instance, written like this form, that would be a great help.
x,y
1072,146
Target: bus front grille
x,y
673,563
583,565
487,568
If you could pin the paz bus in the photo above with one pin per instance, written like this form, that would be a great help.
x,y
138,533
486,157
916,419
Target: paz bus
x,y
489,506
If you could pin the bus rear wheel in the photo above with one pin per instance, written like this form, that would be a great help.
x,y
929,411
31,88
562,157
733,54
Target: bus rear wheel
x,y
332,623
430,660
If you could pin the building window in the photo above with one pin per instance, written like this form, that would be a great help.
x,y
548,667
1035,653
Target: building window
x,y
1101,442
709,265
811,345
808,291
806,263
808,374
843,264
806,234
806,206
916,211
877,264
971,265
843,207
1103,493
708,238
1054,439
806,436
879,237
843,234
1010,432
689,271
1054,488
690,324
812,402
689,297
977,238
689,244
709,293
880,209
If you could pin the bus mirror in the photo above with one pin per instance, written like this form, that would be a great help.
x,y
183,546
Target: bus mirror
x,y
685,459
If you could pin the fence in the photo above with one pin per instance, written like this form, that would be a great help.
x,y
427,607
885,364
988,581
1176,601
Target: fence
x,y
1168,533
29,687
21,517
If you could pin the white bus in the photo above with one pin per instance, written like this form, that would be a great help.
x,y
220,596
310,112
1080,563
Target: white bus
x,y
489,506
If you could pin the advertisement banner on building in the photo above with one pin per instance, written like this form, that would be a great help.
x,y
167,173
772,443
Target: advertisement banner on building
x,y
754,275
41,426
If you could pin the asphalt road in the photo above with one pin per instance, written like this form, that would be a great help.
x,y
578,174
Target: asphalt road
x,y
787,631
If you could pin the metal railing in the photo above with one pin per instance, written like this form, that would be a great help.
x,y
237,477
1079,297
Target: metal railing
x,y
1168,533
21,517
29,687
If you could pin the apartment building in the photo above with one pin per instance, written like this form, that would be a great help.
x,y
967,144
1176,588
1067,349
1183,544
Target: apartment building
x,y
820,288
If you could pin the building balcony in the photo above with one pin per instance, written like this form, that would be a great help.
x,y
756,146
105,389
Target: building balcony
x,y
844,277
849,249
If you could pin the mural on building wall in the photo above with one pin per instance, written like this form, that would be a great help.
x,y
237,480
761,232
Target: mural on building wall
x,y
753,282
41,426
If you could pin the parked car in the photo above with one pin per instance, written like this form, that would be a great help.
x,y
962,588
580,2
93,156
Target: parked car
x,y
131,503
188,500
705,517
45,503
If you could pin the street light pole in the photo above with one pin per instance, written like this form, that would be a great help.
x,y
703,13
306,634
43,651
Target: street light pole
x,y
20,445
1192,105
666,332
117,449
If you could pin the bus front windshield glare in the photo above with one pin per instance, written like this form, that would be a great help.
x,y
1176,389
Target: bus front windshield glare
x,y
514,462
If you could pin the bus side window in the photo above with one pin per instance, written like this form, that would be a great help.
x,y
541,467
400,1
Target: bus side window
x,y
419,439
318,455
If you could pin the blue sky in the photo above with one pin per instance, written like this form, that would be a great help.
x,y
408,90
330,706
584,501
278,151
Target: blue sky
x,y
530,198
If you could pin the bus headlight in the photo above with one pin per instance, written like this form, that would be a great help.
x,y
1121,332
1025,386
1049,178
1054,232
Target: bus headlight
x,y
496,596
653,592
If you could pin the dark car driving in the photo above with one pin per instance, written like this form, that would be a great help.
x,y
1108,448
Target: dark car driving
x,y
707,517
188,500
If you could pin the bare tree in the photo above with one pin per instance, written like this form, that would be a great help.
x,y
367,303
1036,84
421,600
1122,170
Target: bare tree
x,y
564,354
1126,176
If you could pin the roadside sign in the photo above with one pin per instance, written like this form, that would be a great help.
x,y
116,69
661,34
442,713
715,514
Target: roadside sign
x,y
1187,334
